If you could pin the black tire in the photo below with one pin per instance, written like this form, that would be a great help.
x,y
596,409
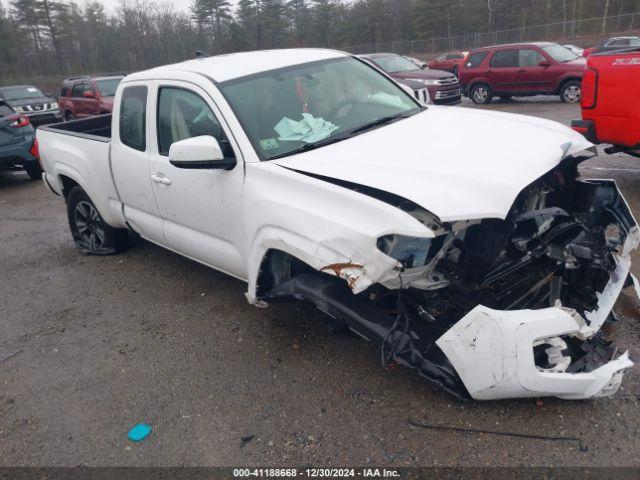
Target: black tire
x,y
67,116
33,170
91,234
481,94
571,92
455,70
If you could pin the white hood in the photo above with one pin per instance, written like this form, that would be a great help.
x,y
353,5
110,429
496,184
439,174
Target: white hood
x,y
458,163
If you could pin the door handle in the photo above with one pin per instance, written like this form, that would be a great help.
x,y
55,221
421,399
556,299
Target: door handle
x,y
161,179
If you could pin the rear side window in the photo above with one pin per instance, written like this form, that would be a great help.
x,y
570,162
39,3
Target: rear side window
x,y
505,59
619,42
455,56
133,113
475,59
530,58
78,89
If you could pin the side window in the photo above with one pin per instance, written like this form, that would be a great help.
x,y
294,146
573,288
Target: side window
x,y
530,58
505,59
618,42
475,59
78,88
183,114
133,112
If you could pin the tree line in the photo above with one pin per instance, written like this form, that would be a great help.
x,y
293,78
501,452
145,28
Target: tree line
x,y
58,37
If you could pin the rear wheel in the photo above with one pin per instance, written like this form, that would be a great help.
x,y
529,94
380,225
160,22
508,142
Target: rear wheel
x,y
90,232
571,92
481,94
455,70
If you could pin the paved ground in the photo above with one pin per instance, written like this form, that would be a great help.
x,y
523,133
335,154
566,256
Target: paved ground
x,y
105,343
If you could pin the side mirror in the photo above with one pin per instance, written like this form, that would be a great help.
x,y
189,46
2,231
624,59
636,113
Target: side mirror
x,y
88,94
199,153
544,63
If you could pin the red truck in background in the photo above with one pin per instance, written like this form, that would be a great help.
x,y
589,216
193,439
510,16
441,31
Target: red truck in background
x,y
611,101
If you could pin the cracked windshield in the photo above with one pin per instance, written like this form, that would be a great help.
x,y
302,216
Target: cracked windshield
x,y
294,110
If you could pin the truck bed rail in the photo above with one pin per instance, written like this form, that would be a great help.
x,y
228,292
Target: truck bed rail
x,y
94,128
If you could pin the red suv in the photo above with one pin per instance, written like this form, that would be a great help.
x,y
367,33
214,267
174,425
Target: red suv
x,y
86,96
449,62
521,70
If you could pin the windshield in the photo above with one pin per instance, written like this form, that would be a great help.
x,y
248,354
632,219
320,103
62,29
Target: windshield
x,y
293,109
395,64
20,93
560,53
108,87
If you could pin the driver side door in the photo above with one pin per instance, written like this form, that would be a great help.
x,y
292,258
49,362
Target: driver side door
x,y
201,208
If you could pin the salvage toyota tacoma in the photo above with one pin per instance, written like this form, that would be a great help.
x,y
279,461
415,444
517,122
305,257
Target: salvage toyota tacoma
x,y
488,265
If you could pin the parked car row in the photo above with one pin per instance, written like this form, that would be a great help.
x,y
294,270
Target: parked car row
x,y
22,107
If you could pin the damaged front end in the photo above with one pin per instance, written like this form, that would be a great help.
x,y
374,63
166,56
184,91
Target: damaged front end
x,y
495,308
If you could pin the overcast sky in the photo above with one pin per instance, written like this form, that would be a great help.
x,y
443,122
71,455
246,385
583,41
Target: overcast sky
x,y
111,5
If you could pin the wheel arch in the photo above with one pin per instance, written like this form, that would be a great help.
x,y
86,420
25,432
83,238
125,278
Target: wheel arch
x,y
566,80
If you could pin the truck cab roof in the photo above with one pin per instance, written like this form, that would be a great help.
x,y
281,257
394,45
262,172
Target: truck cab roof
x,y
222,68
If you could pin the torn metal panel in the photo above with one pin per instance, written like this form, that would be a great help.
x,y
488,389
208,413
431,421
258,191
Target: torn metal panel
x,y
493,352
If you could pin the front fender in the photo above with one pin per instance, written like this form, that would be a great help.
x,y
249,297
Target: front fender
x,y
331,228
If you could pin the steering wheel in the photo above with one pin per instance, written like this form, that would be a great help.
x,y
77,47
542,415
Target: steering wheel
x,y
335,110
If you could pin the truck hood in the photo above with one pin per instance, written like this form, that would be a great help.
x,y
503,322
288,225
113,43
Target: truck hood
x,y
457,163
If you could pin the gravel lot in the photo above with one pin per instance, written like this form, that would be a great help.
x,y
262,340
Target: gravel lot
x,y
105,343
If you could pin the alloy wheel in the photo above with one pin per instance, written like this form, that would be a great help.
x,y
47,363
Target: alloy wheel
x,y
91,231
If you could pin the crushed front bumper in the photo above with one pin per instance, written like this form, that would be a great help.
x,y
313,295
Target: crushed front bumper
x,y
493,351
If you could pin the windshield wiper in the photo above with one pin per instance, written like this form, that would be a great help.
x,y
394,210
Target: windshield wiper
x,y
312,146
380,122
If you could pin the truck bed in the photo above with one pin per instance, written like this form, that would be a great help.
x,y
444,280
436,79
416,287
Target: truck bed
x,y
79,151
95,128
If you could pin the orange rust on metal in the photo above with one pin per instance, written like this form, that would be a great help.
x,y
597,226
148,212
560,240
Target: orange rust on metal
x,y
338,269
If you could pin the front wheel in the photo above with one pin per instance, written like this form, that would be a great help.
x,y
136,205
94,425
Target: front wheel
x,y
571,92
481,94
68,116
90,233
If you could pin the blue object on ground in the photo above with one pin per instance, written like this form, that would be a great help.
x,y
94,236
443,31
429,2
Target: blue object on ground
x,y
139,432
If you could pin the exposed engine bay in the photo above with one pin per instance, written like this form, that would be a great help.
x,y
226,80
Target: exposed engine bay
x,y
495,308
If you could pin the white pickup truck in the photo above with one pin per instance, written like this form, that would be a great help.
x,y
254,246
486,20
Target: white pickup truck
x,y
462,240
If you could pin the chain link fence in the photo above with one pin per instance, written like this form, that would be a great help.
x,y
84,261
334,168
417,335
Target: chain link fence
x,y
591,27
